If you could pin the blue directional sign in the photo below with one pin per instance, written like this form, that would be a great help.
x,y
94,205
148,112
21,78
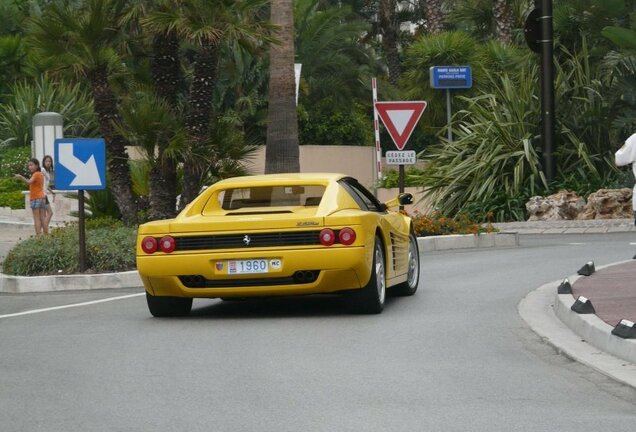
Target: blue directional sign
x,y
80,164
450,77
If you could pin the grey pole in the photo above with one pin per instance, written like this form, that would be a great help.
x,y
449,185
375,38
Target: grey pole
x,y
448,114
547,88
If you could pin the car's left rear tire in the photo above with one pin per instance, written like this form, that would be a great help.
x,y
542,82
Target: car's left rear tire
x,y
168,306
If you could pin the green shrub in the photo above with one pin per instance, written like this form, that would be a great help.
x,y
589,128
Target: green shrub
x,y
11,185
494,154
109,248
391,178
11,193
14,200
26,99
14,161
44,255
94,223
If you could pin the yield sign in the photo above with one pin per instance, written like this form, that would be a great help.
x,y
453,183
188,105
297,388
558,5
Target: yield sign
x,y
400,119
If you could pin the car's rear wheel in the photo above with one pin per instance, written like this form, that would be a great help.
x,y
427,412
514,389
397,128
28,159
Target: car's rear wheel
x,y
168,306
413,275
370,300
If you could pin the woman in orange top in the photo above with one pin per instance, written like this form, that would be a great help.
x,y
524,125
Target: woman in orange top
x,y
36,195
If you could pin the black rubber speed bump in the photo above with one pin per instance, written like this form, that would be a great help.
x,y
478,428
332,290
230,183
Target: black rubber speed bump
x,y
583,305
625,329
565,287
587,269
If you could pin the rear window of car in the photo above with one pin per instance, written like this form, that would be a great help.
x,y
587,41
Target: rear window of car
x,y
270,196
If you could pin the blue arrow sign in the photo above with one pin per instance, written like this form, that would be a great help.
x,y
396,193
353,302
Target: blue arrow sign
x,y
80,164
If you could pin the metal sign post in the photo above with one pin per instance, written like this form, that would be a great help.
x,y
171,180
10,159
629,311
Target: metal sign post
x,y
80,165
376,127
450,77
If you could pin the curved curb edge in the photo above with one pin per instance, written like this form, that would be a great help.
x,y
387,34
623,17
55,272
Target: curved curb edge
x,y
584,338
468,241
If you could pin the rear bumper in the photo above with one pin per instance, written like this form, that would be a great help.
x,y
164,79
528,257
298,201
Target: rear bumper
x,y
339,268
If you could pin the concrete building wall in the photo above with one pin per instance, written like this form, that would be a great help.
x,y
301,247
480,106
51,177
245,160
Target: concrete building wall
x,y
356,161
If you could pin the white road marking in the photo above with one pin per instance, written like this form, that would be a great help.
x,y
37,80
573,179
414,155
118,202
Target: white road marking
x,y
576,244
34,311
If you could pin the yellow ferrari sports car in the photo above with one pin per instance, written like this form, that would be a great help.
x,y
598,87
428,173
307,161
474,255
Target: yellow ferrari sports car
x,y
280,234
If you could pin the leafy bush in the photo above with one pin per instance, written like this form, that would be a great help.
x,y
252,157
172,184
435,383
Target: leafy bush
x,y
391,178
11,193
14,161
111,250
494,151
27,99
14,200
325,124
110,247
11,185
438,224
44,255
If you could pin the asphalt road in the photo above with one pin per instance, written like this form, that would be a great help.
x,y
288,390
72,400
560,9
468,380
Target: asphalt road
x,y
455,357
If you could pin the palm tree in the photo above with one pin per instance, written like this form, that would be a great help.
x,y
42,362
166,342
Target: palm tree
x,y
282,153
206,26
328,44
434,15
389,30
86,39
167,77
504,20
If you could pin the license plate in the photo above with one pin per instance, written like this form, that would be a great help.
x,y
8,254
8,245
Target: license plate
x,y
250,266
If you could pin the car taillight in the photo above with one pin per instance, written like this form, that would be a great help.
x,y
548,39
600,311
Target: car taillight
x,y
149,245
167,244
327,237
347,236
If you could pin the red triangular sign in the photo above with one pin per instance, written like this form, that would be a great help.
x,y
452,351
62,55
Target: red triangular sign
x,y
400,119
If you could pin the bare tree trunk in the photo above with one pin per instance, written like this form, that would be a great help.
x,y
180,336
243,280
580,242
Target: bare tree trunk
x,y
282,152
389,29
504,21
198,121
434,15
116,154
166,75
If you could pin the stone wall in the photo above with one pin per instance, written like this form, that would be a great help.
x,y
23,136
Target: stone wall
x,y
567,205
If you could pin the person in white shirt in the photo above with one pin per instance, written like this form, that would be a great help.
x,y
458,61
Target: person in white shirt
x,y
49,180
627,155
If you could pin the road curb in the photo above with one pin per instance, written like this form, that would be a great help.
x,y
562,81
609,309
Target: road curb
x,y
538,310
467,241
32,284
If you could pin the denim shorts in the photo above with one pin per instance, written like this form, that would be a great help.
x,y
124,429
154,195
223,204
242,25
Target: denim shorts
x,y
38,203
